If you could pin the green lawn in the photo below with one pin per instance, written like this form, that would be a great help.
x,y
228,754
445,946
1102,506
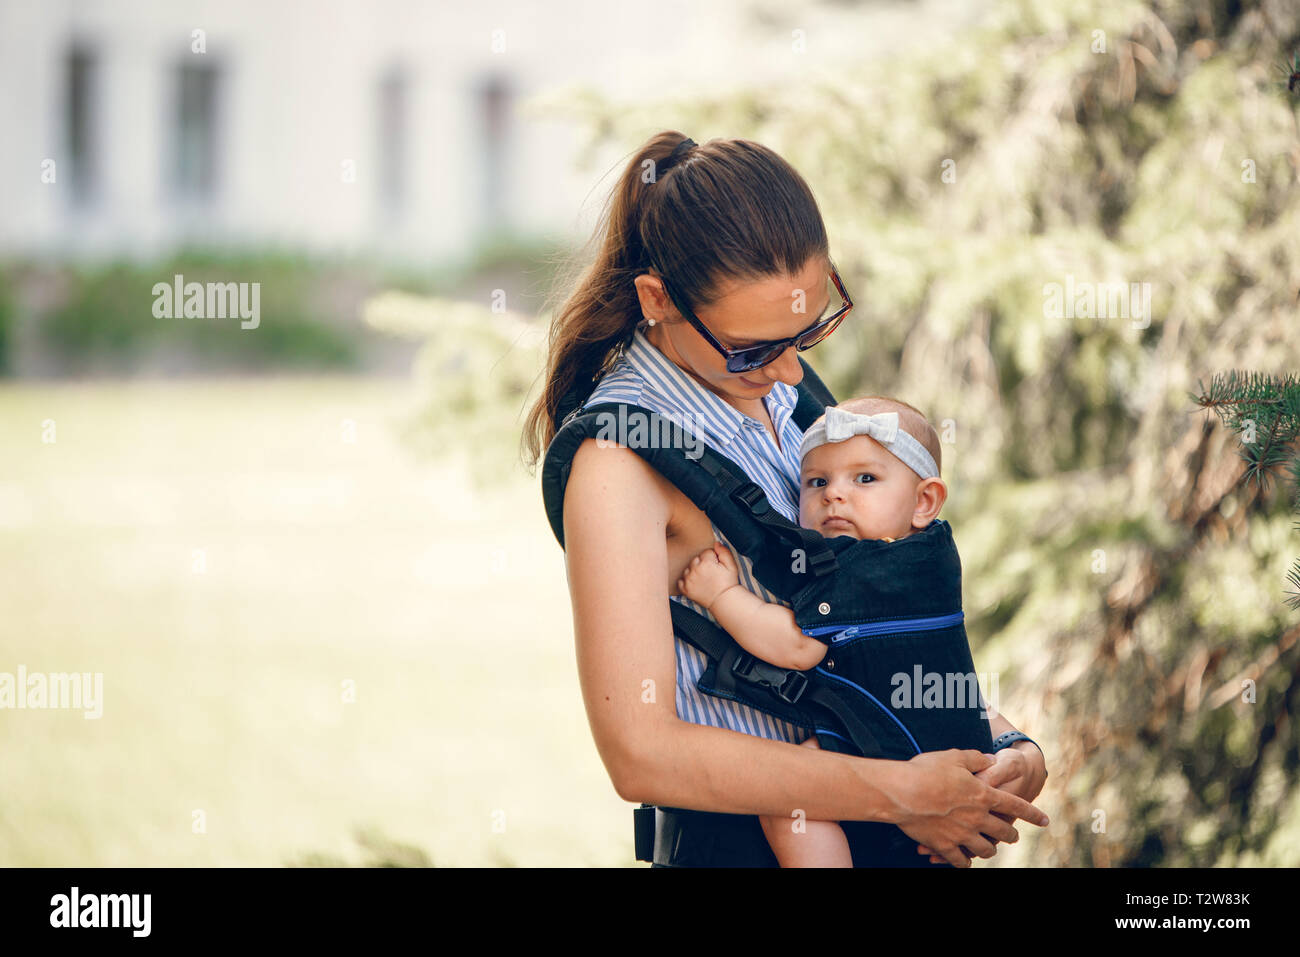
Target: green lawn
x,y
323,562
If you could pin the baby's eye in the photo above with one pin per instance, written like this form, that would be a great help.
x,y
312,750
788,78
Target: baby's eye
x,y
814,482
866,475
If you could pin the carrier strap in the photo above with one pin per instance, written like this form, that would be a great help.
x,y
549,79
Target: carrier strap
x,y
714,483
820,557
791,689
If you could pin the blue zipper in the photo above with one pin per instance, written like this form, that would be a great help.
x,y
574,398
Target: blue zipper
x,y
872,628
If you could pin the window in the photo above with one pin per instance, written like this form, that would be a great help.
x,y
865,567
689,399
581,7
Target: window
x,y
194,160
494,108
79,75
392,146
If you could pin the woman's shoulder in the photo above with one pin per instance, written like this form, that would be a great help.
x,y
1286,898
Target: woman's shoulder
x,y
607,464
614,496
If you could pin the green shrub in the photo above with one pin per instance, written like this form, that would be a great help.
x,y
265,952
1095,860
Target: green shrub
x,y
106,318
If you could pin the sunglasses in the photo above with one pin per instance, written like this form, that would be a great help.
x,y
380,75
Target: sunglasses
x,y
756,356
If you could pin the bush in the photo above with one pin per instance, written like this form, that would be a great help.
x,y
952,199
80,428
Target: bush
x,y
106,320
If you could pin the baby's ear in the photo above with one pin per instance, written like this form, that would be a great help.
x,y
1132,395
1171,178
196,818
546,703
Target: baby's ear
x,y
931,493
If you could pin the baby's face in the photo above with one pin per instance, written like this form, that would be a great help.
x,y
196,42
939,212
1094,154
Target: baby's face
x,y
857,488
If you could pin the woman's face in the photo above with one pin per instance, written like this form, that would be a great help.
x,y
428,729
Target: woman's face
x,y
745,313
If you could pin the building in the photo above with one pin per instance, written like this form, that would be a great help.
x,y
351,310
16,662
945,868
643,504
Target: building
x,y
392,127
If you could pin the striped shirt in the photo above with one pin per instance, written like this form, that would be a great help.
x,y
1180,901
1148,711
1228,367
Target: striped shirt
x,y
645,376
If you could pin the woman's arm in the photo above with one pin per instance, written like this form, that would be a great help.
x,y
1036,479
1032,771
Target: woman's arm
x,y
1026,770
764,629
616,513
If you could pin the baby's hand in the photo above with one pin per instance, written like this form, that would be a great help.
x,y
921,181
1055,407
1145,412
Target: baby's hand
x,y
709,574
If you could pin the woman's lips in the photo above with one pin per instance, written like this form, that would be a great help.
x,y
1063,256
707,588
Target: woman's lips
x,y
752,384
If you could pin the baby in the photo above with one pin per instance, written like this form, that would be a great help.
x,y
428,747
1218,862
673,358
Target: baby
x,y
849,484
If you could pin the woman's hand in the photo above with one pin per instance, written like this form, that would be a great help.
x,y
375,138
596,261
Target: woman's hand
x,y
946,808
1020,770
709,574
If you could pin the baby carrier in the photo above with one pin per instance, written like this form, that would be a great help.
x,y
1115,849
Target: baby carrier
x,y
897,678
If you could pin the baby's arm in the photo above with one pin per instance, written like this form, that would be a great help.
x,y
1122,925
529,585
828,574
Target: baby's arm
x,y
766,630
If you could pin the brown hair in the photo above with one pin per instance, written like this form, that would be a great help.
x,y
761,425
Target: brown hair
x,y
728,210
910,420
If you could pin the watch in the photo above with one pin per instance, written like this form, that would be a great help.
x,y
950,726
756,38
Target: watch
x,y
1008,738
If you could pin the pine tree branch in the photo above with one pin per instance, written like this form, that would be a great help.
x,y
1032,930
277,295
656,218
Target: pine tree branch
x,y
1251,403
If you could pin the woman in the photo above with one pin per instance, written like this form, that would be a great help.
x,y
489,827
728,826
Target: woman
x,y
736,234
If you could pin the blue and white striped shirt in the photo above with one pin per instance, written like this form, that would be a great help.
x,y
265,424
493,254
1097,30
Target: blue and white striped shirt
x,y
645,376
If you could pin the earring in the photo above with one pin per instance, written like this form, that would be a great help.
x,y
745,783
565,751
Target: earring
x,y
649,322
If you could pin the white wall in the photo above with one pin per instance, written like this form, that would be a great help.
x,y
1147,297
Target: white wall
x,y
298,96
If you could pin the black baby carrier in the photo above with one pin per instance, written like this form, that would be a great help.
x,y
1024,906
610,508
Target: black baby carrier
x,y
897,678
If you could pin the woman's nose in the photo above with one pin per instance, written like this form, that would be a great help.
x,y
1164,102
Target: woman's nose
x,y
785,368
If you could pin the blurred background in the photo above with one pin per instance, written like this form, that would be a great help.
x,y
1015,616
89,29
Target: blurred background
x,y
332,622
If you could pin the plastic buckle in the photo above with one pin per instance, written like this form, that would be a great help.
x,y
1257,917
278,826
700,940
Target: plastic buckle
x,y
822,562
789,688
797,681
753,498
743,664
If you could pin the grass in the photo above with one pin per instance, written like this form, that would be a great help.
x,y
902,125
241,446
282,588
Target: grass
x,y
227,561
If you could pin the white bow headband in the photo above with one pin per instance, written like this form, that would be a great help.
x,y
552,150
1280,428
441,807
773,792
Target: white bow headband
x,y
840,425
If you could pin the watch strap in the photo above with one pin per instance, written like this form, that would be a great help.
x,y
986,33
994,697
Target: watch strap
x,y
1008,738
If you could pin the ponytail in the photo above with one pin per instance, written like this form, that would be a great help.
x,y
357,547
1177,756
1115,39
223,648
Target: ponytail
x,y
729,209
